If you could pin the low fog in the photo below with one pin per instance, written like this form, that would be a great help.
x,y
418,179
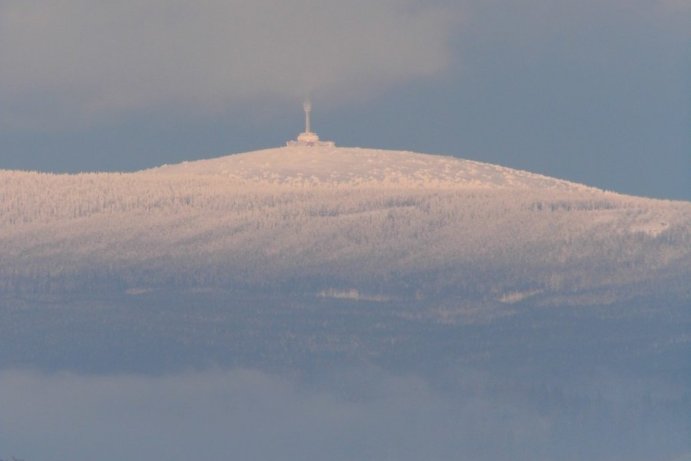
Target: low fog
x,y
363,414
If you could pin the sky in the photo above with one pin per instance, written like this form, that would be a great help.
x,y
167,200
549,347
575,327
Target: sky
x,y
594,91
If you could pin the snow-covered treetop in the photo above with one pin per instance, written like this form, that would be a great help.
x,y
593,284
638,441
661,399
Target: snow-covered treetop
x,y
301,164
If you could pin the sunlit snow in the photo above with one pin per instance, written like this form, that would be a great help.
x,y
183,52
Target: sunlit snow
x,y
383,224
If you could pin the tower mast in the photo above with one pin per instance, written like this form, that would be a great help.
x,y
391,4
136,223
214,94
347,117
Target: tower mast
x,y
308,137
307,105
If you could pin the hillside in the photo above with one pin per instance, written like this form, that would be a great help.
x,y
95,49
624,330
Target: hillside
x,y
340,222
510,315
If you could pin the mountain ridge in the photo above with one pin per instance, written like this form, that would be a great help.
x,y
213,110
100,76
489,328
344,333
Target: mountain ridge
x,y
342,165
337,220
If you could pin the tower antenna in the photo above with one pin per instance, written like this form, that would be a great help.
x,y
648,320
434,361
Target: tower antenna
x,y
308,137
307,105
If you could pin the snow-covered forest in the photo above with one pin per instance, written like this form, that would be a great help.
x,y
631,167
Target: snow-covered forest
x,y
332,221
385,305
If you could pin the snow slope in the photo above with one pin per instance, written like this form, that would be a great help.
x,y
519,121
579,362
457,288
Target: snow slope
x,y
300,165
431,285
337,222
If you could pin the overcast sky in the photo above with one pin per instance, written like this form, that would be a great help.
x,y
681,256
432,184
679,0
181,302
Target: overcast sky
x,y
595,91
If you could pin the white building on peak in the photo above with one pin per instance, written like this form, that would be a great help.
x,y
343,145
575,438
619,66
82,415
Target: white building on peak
x,y
308,137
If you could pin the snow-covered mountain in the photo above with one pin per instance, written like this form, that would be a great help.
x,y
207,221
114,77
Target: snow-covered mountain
x,y
510,315
340,222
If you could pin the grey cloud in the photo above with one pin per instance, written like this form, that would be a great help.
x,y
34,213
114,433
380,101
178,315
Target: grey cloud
x,y
238,415
359,414
677,5
83,59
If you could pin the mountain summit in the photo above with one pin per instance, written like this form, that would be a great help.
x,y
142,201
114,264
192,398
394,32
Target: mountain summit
x,y
304,165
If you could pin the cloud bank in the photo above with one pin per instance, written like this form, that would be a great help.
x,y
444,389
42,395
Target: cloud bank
x,y
358,414
80,60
